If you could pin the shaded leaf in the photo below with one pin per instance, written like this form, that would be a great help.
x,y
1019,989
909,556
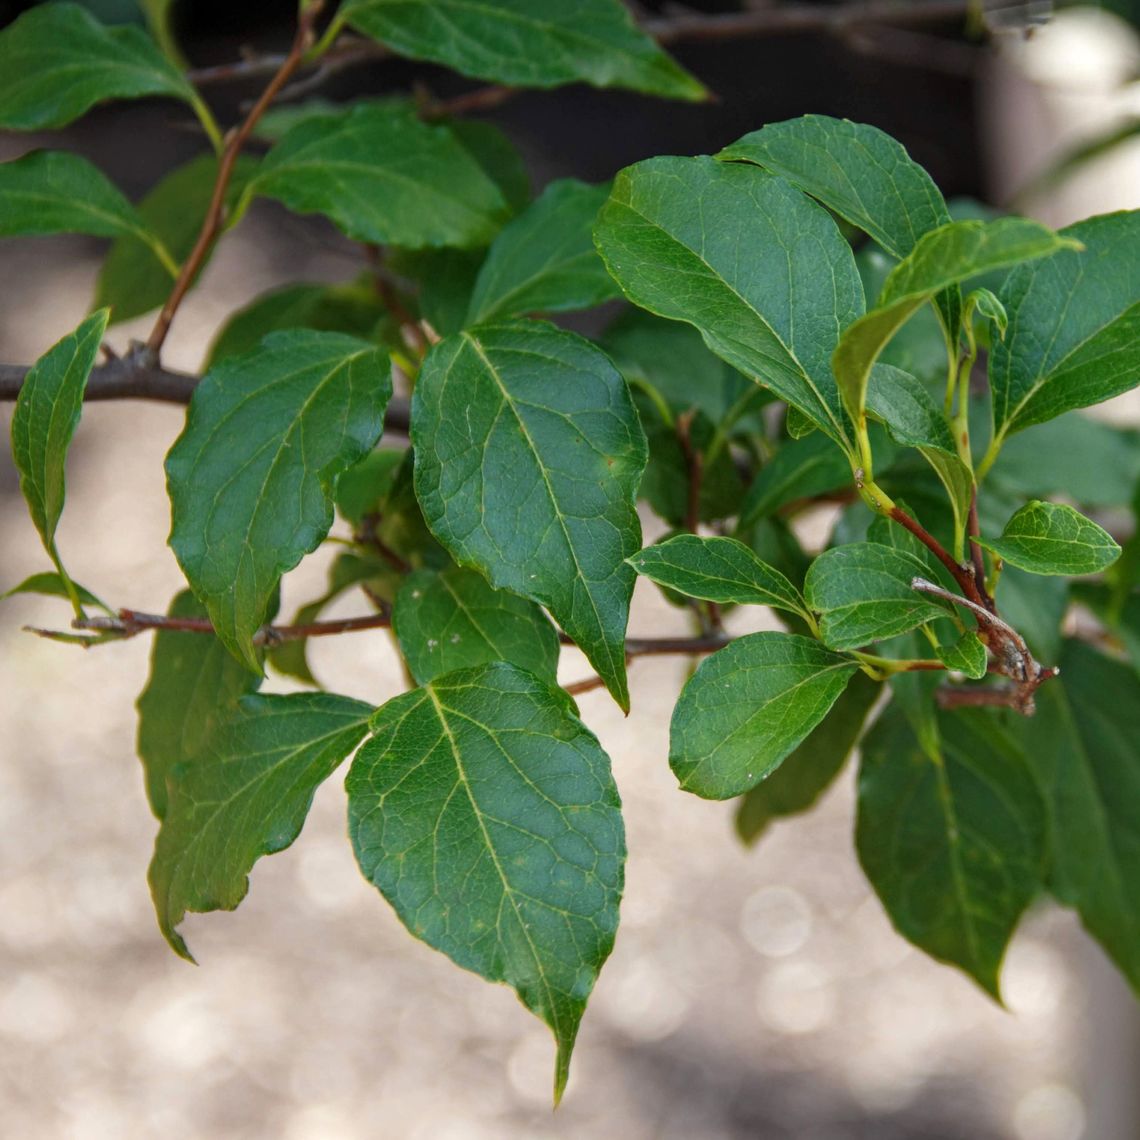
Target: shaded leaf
x,y
485,812
251,476
362,488
967,655
1035,606
528,455
799,470
1051,538
498,156
748,706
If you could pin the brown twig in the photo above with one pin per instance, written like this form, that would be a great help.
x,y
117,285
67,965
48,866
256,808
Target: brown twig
x,y
235,140
964,576
975,528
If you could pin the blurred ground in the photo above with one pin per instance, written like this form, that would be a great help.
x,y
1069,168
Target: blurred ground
x,y
755,994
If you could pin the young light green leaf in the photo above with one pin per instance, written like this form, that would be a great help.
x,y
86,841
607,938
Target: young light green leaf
x,y
942,258
194,681
806,773
526,43
382,175
768,279
59,61
967,655
53,192
545,261
246,794
134,278
1051,538
485,812
1082,743
251,477
528,456
953,844
44,420
158,14
456,620
51,585
1074,326
748,706
806,467
862,593
717,570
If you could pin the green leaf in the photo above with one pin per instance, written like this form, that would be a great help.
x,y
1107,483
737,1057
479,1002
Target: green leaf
x,y
362,488
52,585
767,277
953,843
862,593
1051,538
1074,326
194,681
1082,743
1035,607
526,43
967,655
544,261
800,469
383,176
44,420
59,61
717,570
528,456
354,309
747,707
245,795
498,156
53,192
158,14
446,280
251,476
806,773
456,620
942,258
134,279
485,812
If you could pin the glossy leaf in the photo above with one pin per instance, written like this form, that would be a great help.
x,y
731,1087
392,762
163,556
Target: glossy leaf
x,y
528,456
806,773
251,476
967,655
811,466
544,261
954,843
456,620
768,279
862,593
1082,743
194,681
717,570
44,420
747,707
1074,326
134,279
485,812
1051,538
245,795
382,175
526,43
59,61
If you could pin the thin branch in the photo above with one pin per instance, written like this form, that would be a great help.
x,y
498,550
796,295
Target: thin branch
x,y
975,528
660,646
235,140
961,574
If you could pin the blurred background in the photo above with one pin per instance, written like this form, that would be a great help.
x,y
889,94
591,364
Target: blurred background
x,y
752,993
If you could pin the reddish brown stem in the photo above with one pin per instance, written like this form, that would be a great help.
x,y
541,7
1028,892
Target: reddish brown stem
x,y
235,140
975,528
963,576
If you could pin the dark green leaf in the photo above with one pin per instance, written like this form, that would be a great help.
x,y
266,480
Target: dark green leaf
x,y
498,156
952,843
1035,606
59,61
905,406
194,681
862,593
807,772
362,488
544,261
1074,326
717,570
44,420
967,655
485,812
748,706
382,175
251,476
526,43
134,279
1051,538
811,466
245,795
456,620
528,456
446,279
767,277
